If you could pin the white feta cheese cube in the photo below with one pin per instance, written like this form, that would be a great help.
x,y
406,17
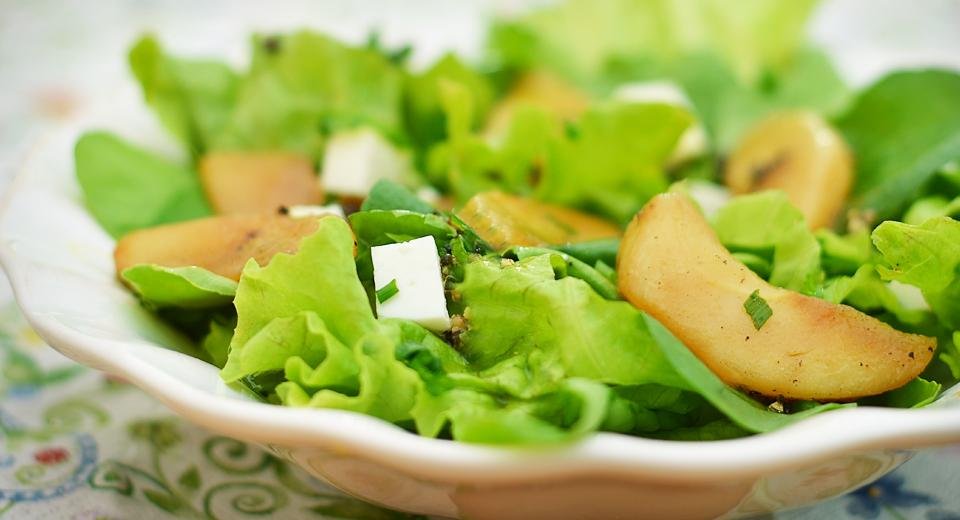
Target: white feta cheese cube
x,y
355,160
709,196
693,142
415,265
305,211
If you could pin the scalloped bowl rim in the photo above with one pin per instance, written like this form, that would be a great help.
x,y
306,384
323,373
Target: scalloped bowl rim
x,y
140,362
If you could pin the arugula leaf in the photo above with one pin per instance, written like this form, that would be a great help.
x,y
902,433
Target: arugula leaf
x,y
758,309
126,188
185,287
902,129
216,343
739,408
915,394
192,98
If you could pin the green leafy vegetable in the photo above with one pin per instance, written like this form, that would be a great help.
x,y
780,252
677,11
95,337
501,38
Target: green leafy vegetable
x,y
292,284
903,129
127,188
184,287
758,309
531,326
387,291
388,195
795,257
742,410
304,86
925,256
192,98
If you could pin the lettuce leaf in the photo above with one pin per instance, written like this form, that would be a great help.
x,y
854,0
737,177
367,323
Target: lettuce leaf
x,y
127,188
425,117
610,161
902,129
578,37
192,98
925,256
533,327
185,287
321,278
304,86
783,238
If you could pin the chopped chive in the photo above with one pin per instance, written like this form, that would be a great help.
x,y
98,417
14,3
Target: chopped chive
x,y
758,309
387,291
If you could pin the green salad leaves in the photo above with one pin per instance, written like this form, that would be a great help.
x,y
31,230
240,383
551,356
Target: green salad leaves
x,y
542,347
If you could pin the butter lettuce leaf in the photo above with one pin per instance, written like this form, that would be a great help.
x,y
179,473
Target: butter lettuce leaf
x,y
927,257
185,287
520,311
303,86
767,225
127,188
192,98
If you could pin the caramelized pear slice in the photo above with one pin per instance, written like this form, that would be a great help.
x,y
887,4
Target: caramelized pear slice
x,y
505,220
258,182
799,153
672,266
221,244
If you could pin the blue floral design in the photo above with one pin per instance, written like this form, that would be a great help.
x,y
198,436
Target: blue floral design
x,y
886,494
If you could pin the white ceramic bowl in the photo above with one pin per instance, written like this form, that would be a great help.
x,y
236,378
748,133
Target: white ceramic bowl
x,y
59,262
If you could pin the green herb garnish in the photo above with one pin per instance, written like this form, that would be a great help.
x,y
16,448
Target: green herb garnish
x,y
756,307
387,291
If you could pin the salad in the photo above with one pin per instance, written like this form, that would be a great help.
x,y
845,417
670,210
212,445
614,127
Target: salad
x,y
621,217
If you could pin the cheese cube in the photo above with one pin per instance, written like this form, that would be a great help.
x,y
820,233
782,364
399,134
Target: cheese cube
x,y
305,211
355,160
415,265
693,142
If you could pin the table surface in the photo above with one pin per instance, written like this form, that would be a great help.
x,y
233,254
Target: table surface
x,y
75,444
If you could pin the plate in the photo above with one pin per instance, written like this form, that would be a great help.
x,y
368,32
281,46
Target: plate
x,y
61,268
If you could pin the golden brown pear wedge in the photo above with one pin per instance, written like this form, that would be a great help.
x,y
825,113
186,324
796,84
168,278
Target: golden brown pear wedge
x,y
506,220
258,182
672,266
539,89
220,244
799,153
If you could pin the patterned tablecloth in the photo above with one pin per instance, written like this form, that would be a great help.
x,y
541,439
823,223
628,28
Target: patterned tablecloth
x,y
75,444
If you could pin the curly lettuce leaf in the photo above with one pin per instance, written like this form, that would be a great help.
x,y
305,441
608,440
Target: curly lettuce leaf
x,y
902,129
184,287
927,257
127,188
425,117
610,161
578,37
303,86
534,327
192,98
321,277
784,239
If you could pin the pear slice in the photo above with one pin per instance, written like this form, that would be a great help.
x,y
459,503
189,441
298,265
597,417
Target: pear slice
x,y
799,153
506,220
672,266
221,244
258,182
